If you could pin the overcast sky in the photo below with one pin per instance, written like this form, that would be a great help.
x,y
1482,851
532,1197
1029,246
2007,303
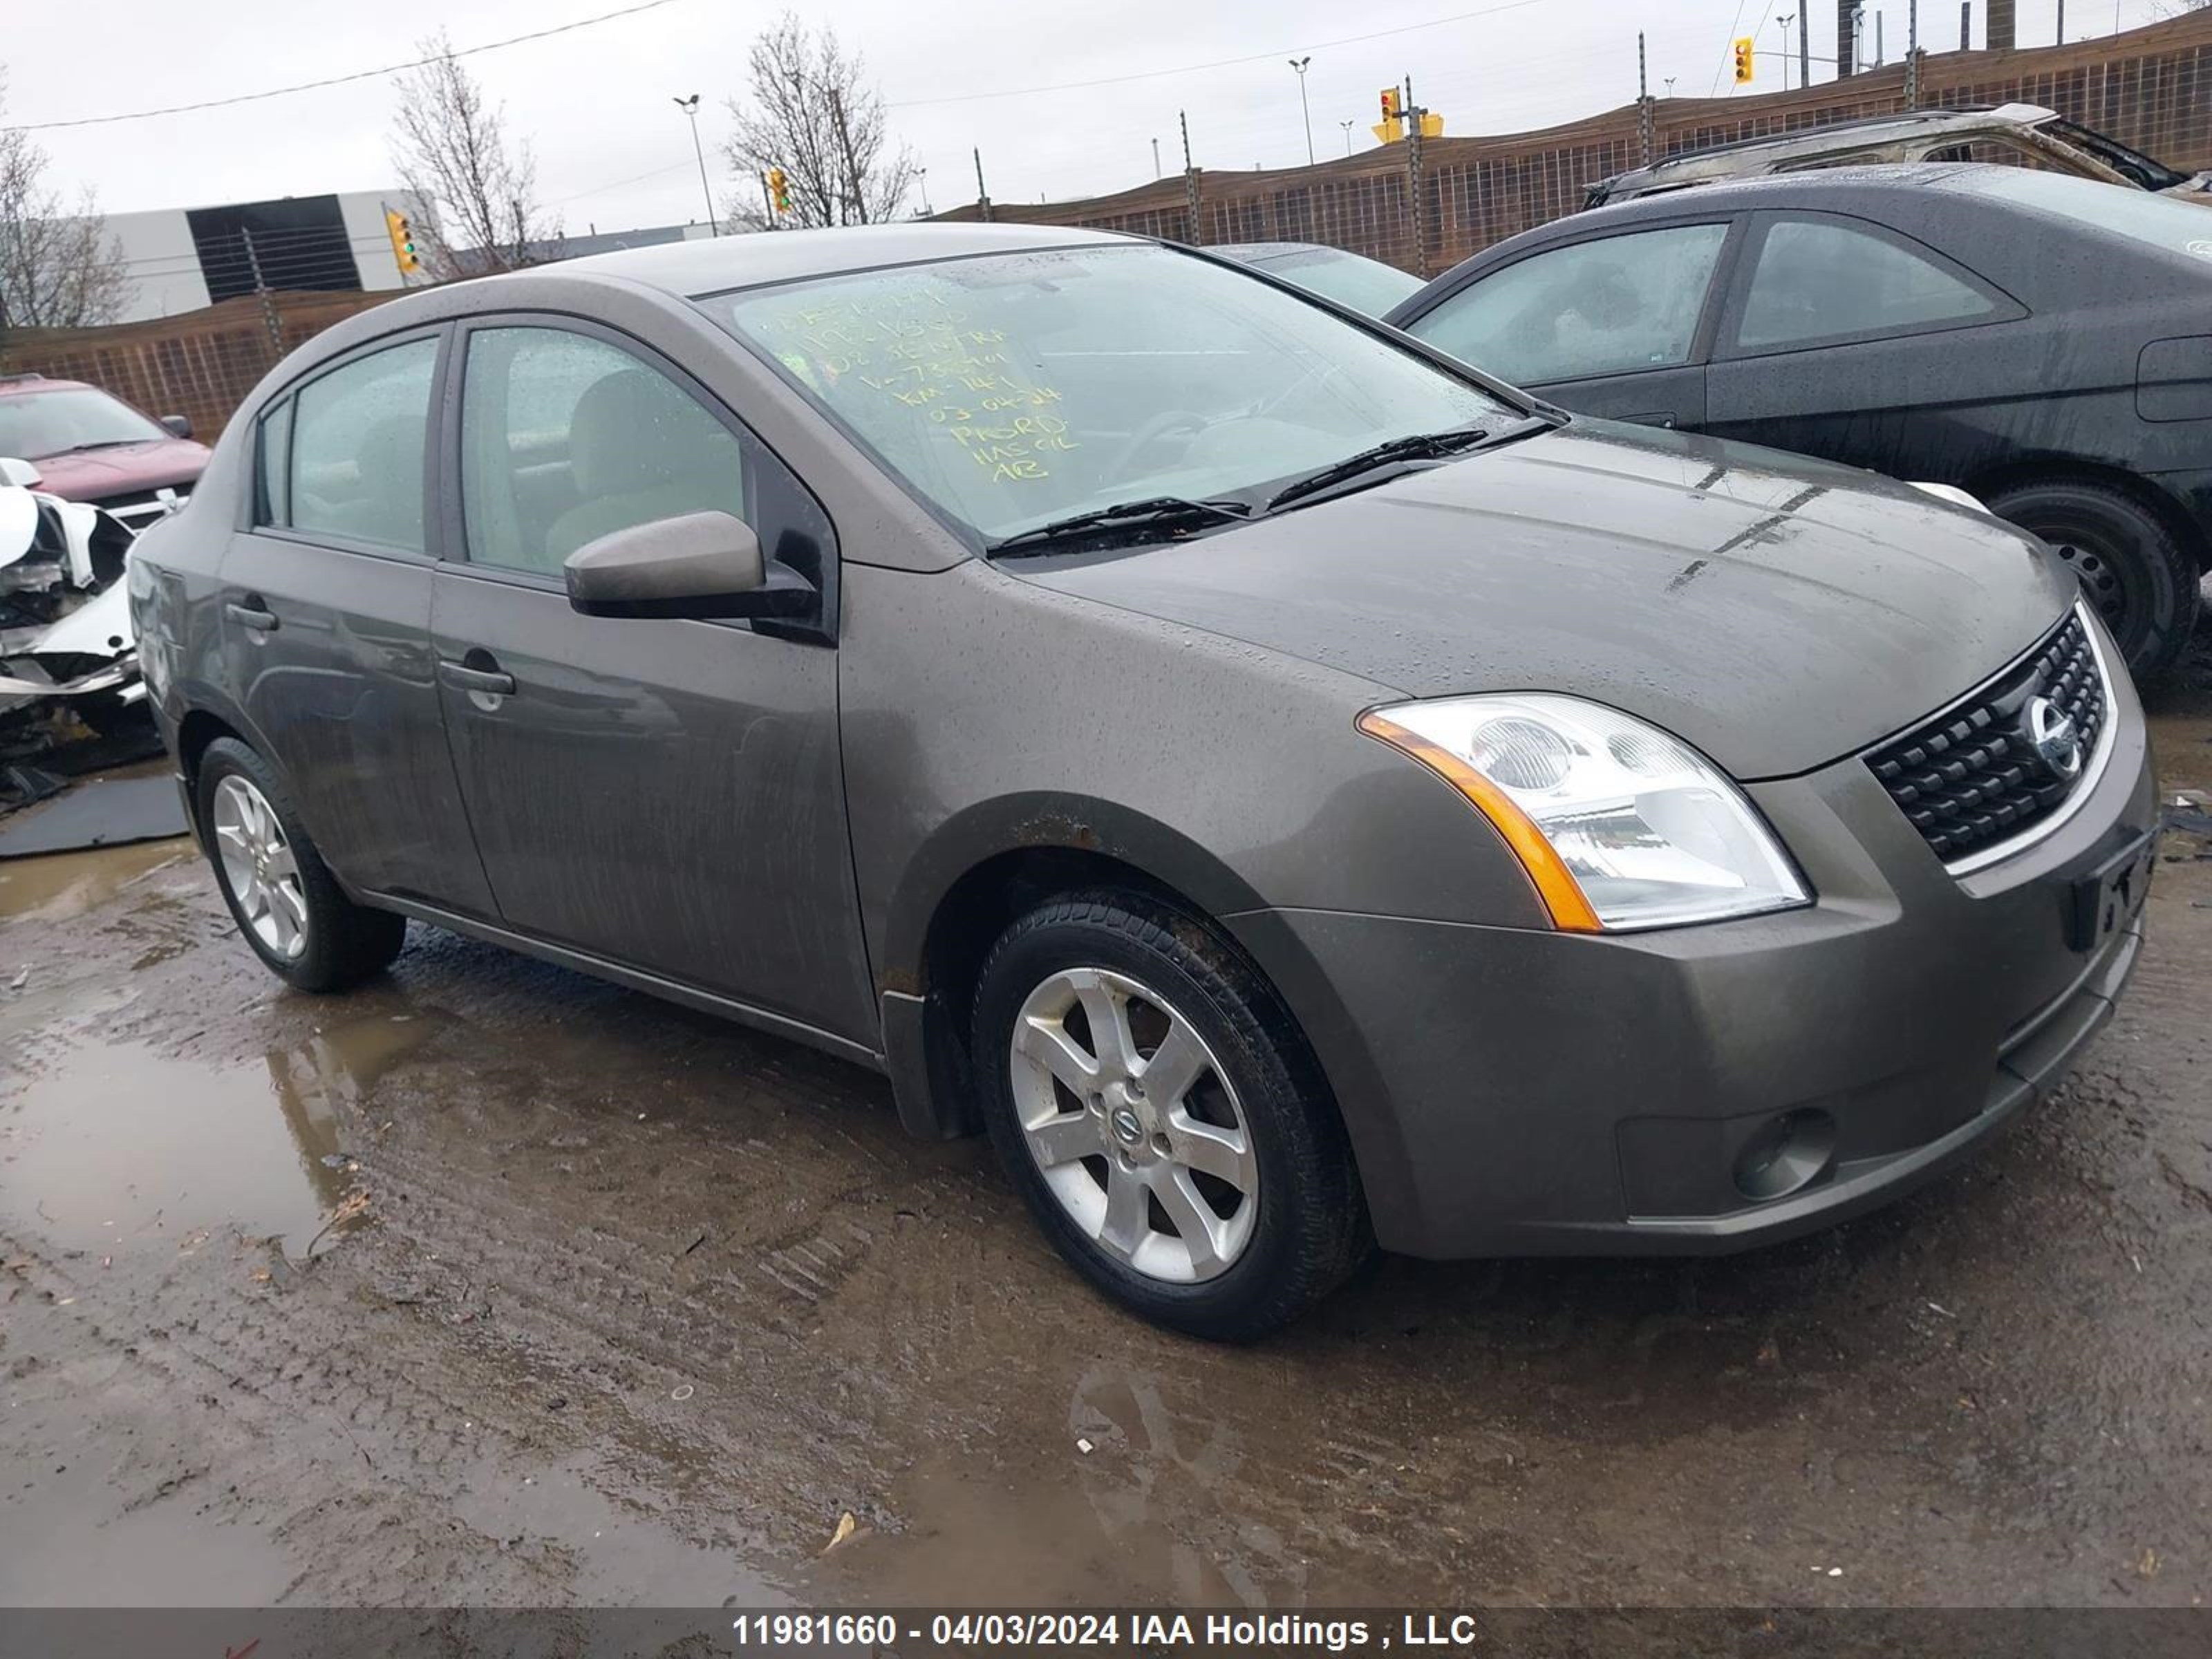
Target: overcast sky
x,y
613,152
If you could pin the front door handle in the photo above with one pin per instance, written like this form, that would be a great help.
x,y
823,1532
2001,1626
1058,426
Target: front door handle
x,y
252,614
466,676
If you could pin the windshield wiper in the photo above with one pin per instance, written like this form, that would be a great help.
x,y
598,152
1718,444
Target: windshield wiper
x,y
1169,515
1421,447
101,443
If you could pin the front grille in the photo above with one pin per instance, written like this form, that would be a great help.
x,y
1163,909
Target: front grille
x,y
1975,776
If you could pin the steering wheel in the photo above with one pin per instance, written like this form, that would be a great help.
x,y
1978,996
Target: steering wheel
x,y
1167,421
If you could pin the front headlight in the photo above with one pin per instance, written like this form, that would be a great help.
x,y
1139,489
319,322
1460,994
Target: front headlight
x,y
1619,826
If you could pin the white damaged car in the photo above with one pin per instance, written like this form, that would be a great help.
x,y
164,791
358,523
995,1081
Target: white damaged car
x,y
66,634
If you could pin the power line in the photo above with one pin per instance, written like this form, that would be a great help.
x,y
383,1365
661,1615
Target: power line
x,y
1219,63
344,80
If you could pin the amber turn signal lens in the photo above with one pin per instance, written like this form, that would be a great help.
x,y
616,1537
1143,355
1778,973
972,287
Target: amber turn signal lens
x,y
1563,896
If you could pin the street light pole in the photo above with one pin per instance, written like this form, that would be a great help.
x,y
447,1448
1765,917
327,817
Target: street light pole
x,y
1347,127
1783,23
922,175
690,107
1299,65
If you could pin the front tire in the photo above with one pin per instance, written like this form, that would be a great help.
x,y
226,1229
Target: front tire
x,y
2133,569
1159,1111
287,904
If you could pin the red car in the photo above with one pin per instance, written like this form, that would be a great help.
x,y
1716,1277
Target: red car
x,y
90,446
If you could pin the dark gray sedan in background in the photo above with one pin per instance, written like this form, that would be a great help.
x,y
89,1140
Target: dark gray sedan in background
x,y
1293,792
2042,341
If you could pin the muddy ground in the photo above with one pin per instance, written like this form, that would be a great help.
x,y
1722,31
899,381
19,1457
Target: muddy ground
x,y
489,1284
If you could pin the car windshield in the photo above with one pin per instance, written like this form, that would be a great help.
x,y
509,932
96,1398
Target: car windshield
x,y
33,424
2183,228
1350,279
1014,390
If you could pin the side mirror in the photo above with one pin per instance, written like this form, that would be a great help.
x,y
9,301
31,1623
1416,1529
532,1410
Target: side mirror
x,y
20,473
700,565
179,425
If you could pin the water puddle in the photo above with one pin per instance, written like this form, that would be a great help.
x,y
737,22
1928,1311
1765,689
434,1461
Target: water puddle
x,y
119,1147
624,1558
57,886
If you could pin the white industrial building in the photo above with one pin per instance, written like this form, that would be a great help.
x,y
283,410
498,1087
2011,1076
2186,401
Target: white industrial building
x,y
184,258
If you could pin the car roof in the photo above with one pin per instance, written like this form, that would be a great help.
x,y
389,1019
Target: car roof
x,y
1250,252
1812,140
1868,180
713,264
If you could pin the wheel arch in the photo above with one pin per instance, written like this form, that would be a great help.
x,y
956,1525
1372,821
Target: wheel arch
x,y
980,870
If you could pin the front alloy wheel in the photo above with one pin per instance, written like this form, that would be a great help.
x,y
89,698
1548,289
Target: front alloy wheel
x,y
1132,1123
1162,1115
258,864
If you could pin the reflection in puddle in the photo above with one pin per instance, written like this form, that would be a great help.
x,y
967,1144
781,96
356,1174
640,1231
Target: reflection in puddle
x,y
118,1146
58,886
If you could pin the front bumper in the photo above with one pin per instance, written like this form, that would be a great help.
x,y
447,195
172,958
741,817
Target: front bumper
x,y
1517,1092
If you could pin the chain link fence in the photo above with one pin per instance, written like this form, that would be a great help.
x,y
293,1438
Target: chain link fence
x,y
2150,88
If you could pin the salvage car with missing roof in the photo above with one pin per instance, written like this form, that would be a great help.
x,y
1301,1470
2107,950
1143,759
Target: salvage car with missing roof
x,y
1293,792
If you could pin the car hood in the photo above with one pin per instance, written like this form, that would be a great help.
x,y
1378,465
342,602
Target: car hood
x,y
94,475
1776,612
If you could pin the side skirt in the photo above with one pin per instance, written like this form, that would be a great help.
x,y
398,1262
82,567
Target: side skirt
x,y
744,1013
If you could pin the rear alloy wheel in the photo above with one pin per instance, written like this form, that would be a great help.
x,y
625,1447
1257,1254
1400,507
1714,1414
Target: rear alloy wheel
x,y
284,899
2134,571
1160,1112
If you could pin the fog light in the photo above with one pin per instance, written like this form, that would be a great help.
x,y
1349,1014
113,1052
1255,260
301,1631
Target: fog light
x,y
1784,1153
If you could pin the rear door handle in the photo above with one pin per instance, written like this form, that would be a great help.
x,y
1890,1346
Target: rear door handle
x,y
252,615
462,677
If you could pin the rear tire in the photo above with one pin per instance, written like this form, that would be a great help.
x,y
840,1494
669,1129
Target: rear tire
x,y
287,905
1247,1206
2134,570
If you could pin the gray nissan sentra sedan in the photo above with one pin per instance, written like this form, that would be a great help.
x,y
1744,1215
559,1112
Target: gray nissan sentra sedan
x,y
1294,793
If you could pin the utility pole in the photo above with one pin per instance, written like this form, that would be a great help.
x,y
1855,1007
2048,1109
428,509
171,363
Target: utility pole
x,y
268,318
922,175
1879,59
1414,113
983,196
2061,36
1847,38
1805,43
690,107
1966,25
1189,178
1155,158
1645,125
1304,109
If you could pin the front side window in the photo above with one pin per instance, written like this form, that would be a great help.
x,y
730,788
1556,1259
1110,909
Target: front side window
x,y
1821,279
565,439
355,462
1609,306
1017,389
1350,279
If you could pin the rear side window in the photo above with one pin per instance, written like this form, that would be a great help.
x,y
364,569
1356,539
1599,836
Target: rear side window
x,y
565,439
1821,279
1608,307
353,466
273,478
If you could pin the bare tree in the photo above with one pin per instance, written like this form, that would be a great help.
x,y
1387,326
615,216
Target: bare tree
x,y
2176,8
58,268
813,113
478,193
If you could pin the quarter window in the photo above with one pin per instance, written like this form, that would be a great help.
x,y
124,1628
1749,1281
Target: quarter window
x,y
1606,306
355,465
565,439
1817,279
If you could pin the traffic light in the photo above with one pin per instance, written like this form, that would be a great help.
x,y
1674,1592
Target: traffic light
x,y
779,190
1392,127
1743,60
403,242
